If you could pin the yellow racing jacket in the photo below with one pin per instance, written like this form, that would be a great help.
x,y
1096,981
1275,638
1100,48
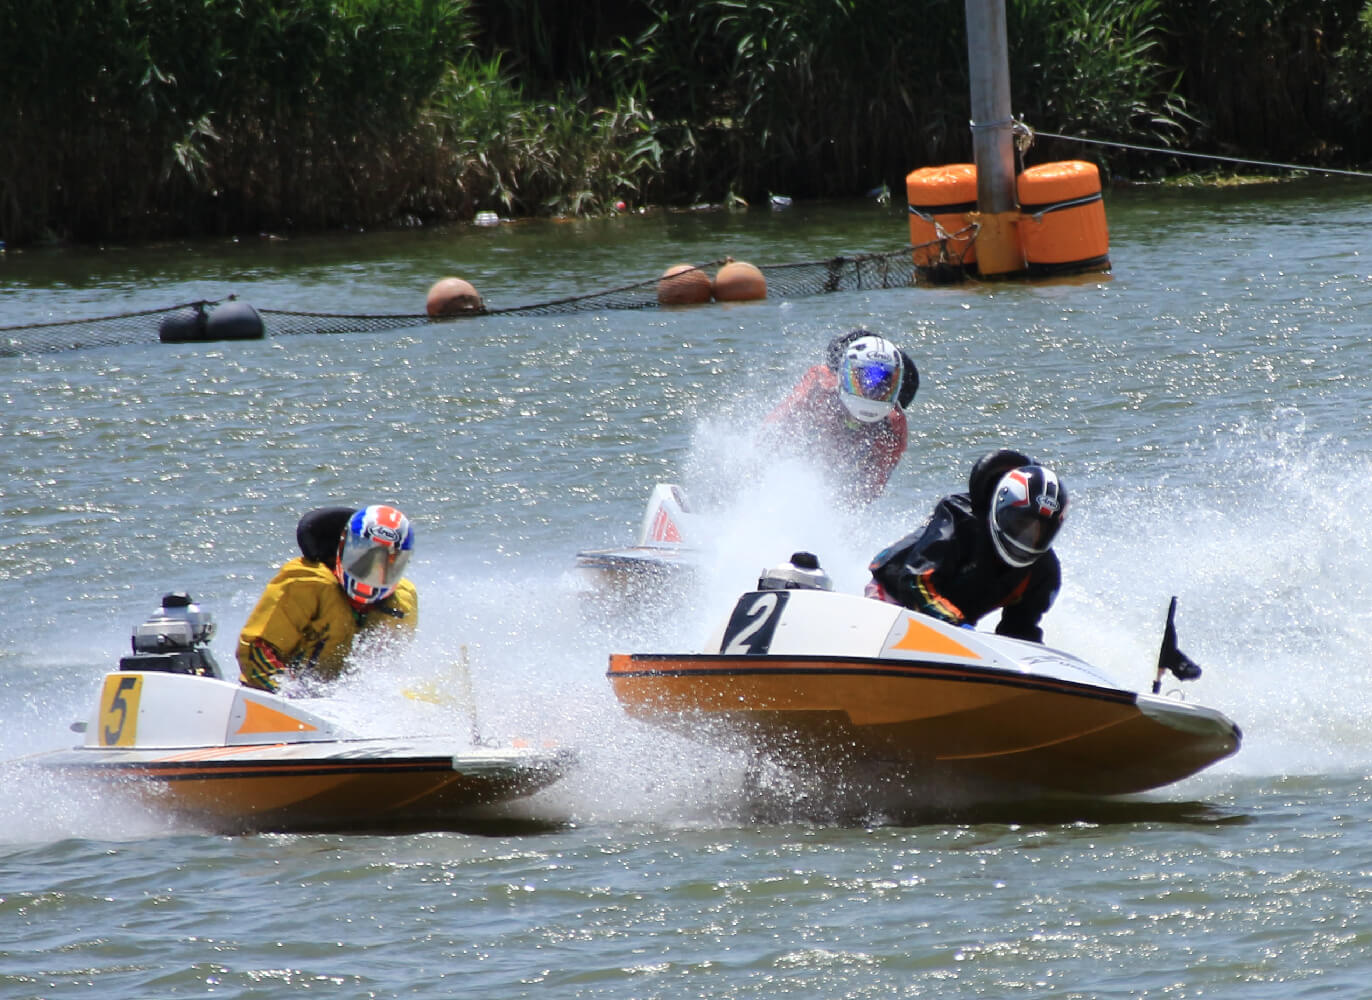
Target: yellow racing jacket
x,y
304,624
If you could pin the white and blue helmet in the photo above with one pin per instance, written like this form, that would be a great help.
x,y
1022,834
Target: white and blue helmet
x,y
869,378
373,552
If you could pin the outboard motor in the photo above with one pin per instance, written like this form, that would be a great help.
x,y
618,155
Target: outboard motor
x,y
176,640
803,572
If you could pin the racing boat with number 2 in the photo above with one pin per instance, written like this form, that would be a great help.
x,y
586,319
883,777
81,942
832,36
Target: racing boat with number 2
x,y
837,684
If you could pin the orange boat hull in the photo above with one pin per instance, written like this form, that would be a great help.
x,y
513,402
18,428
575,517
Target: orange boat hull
x,y
316,787
931,718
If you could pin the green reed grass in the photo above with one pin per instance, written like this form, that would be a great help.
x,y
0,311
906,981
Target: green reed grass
x,y
124,119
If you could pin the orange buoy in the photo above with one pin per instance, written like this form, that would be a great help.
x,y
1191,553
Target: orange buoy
x,y
453,297
1062,218
941,197
739,281
683,285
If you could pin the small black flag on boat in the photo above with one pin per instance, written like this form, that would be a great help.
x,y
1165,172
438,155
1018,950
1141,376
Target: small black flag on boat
x,y
1170,658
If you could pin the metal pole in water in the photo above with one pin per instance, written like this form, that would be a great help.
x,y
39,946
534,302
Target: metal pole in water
x,y
988,61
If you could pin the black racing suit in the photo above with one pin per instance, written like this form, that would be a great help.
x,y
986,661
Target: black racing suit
x,y
949,569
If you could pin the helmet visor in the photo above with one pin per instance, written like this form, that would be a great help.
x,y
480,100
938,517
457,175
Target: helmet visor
x,y
372,562
1024,532
872,378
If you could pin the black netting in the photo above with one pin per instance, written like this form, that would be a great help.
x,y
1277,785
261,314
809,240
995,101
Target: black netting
x,y
280,323
107,331
200,321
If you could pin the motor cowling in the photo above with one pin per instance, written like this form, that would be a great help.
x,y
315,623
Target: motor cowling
x,y
175,640
802,572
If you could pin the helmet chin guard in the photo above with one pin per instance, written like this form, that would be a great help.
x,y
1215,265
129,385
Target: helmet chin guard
x,y
865,411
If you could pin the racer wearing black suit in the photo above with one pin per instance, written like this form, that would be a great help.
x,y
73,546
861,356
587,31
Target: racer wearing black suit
x,y
984,549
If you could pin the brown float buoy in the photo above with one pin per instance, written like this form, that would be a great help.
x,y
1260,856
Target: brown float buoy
x,y
739,281
453,297
683,285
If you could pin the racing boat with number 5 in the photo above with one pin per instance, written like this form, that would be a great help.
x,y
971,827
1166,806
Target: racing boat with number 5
x,y
168,730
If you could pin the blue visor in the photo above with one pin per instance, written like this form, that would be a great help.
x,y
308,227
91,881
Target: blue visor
x,y
873,378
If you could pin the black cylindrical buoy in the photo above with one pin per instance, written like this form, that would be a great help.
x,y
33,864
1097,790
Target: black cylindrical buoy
x,y
183,326
234,321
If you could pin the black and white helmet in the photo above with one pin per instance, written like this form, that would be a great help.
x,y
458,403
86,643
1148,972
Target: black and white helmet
x,y
1026,512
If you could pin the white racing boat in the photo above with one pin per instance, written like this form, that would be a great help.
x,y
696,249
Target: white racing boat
x,y
662,556
167,729
831,685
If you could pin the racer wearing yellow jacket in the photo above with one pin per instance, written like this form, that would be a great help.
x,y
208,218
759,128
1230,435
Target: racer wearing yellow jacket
x,y
309,615
304,623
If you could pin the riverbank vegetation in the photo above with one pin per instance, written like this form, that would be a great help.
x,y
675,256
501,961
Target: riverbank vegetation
x,y
134,119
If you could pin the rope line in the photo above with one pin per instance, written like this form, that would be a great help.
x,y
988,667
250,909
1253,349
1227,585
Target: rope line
x,y
1202,156
573,300
197,304
1037,212
883,269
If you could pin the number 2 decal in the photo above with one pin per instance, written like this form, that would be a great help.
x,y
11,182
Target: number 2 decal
x,y
753,622
119,710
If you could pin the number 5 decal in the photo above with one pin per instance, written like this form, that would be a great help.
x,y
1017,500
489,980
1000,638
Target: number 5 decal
x,y
753,622
119,710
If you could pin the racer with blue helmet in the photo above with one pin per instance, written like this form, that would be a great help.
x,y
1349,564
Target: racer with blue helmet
x,y
848,414
349,578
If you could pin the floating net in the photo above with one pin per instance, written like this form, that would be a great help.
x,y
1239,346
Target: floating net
x,y
187,321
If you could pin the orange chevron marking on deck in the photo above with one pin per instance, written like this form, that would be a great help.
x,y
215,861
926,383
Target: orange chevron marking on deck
x,y
259,718
920,638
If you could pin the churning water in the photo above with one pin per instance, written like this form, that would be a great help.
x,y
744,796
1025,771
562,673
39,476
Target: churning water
x,y
1207,405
